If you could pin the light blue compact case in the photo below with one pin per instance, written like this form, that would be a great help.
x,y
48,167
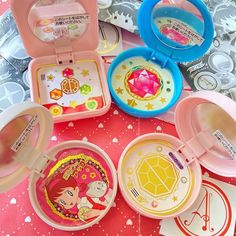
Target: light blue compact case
x,y
146,81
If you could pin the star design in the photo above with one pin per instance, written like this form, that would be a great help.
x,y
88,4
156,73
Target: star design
x,y
140,153
85,73
74,104
132,103
163,100
175,199
118,76
119,90
149,106
50,77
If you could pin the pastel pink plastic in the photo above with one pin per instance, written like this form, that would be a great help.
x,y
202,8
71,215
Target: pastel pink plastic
x,y
194,166
37,48
215,161
45,53
92,55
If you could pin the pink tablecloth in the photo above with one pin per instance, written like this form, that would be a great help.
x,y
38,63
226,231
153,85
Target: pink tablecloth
x,y
112,132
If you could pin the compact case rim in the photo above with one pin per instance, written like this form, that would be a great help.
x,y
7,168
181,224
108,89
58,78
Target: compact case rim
x,y
161,54
206,160
63,49
28,166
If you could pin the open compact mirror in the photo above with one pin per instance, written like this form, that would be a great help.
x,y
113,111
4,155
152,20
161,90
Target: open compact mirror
x,y
67,76
71,187
160,175
52,20
146,81
178,24
9,134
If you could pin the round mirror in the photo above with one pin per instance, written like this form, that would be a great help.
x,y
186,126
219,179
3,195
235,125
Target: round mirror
x,y
10,137
211,118
51,20
178,23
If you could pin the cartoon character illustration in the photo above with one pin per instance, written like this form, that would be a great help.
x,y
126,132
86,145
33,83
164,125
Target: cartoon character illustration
x,y
123,21
216,70
122,14
63,192
64,195
224,16
94,194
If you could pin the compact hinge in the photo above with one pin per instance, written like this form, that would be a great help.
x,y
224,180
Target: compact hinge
x,y
197,146
64,52
33,160
65,58
157,56
41,164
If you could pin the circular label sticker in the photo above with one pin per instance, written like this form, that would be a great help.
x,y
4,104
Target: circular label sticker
x,y
77,189
143,84
109,38
202,219
155,179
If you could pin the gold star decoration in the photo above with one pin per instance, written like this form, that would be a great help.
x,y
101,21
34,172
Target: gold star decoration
x,y
175,199
132,103
119,90
118,76
85,73
74,104
50,77
124,67
163,100
149,106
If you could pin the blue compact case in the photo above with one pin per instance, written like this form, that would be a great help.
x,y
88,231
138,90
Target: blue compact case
x,y
146,81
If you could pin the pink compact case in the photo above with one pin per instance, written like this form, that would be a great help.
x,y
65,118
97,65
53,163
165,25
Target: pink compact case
x,y
160,176
72,185
67,75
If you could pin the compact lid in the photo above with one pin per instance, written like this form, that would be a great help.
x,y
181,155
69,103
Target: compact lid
x,y
206,123
182,30
25,131
48,27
